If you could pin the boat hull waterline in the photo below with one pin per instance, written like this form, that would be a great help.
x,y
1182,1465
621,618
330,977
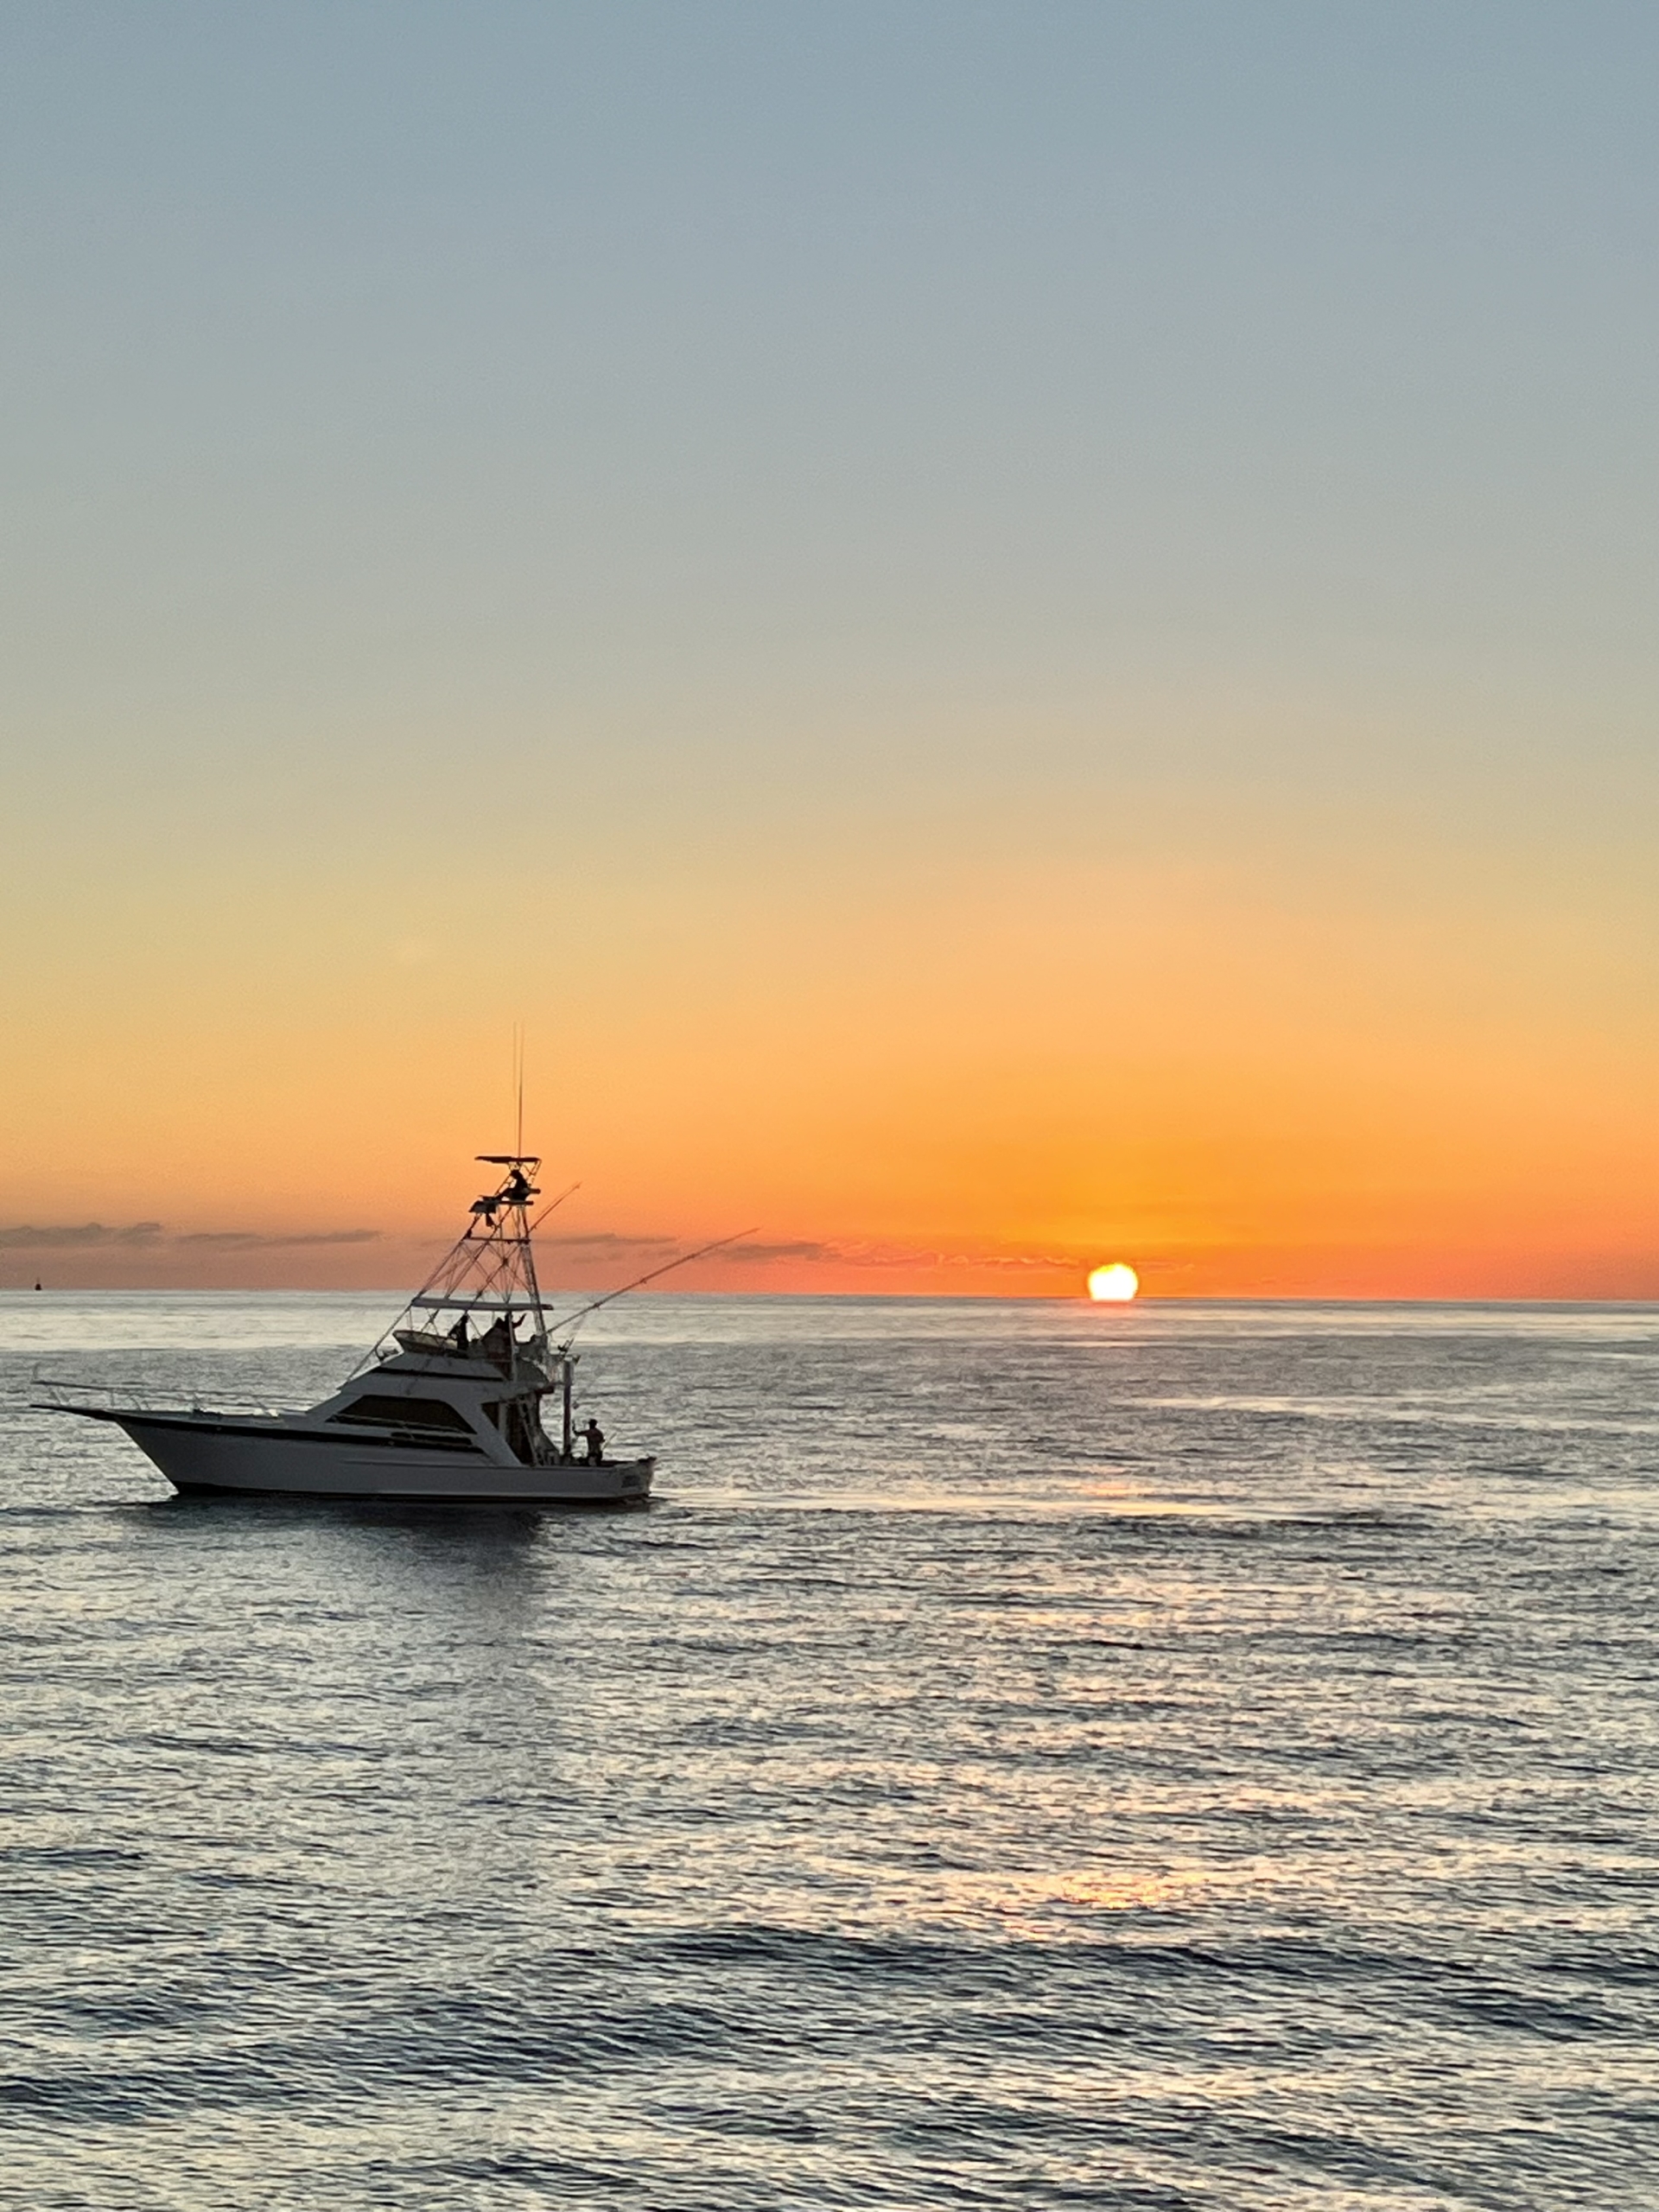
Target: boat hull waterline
x,y
207,1452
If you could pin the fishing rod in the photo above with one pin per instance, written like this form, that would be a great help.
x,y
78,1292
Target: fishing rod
x,y
639,1282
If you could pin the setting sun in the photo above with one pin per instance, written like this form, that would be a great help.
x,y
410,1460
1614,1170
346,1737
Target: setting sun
x,y
1114,1284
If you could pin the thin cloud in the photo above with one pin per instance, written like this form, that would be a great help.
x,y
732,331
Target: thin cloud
x,y
866,1255
22,1238
94,1235
801,1249
756,1252
247,1240
608,1240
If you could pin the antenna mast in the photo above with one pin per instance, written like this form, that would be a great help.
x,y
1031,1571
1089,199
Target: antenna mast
x,y
518,1083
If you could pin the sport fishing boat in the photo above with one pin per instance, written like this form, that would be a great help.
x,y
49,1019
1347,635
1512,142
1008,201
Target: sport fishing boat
x,y
445,1410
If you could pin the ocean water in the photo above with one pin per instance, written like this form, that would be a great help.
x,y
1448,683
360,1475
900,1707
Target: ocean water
x,y
1028,1755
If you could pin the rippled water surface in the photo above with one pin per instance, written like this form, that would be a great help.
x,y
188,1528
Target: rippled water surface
x,y
1028,1755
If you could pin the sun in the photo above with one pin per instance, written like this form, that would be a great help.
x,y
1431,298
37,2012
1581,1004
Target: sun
x,y
1114,1284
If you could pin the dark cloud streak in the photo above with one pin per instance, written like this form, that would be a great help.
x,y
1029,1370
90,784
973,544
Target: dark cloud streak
x,y
248,1240
22,1238
801,1249
95,1236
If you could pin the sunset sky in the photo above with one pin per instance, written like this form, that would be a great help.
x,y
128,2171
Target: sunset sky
x,y
1017,635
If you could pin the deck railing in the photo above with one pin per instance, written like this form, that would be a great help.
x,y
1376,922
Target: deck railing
x,y
65,1394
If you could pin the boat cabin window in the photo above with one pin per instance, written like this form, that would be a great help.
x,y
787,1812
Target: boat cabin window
x,y
403,1413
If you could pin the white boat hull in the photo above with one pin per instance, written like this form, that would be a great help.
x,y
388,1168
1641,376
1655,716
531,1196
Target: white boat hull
x,y
214,1452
